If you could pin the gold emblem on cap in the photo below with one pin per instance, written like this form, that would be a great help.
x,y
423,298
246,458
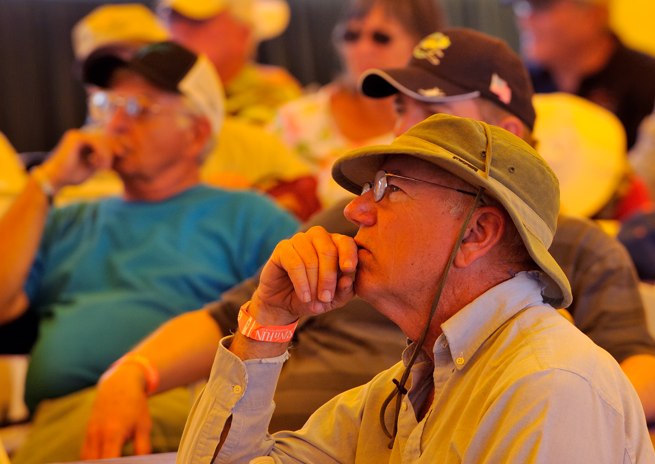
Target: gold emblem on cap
x,y
432,48
433,92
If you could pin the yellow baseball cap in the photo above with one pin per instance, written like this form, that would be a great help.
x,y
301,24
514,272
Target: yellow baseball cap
x,y
108,25
269,18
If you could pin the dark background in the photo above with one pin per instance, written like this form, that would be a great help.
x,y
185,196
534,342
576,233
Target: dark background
x,y
40,98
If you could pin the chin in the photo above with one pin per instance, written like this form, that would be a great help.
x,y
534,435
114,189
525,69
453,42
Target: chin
x,y
365,289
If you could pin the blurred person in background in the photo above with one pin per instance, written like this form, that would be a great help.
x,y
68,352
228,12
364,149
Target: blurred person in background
x,y
228,32
570,47
101,275
323,125
243,156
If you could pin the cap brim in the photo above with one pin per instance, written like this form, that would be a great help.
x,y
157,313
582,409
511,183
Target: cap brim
x,y
360,166
99,66
413,82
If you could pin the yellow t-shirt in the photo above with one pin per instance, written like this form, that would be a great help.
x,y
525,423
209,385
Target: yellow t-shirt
x,y
247,155
255,94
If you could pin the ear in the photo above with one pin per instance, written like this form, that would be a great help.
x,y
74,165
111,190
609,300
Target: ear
x,y
199,134
512,124
485,230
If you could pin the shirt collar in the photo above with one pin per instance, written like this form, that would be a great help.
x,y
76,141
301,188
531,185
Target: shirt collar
x,y
470,327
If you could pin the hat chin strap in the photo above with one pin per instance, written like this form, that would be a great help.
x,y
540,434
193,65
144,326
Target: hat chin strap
x,y
399,390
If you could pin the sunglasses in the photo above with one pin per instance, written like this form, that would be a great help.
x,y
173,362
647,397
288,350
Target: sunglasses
x,y
380,184
350,36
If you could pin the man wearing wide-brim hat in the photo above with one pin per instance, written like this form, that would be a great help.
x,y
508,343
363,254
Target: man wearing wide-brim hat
x,y
455,219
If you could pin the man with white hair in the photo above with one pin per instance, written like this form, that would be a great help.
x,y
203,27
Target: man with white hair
x,y
245,154
102,275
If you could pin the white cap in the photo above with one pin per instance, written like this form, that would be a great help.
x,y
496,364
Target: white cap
x,y
170,67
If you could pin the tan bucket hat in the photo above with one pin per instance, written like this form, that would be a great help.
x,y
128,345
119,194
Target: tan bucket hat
x,y
486,156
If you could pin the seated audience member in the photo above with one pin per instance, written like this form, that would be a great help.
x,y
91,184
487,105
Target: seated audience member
x,y
321,126
102,275
569,47
123,29
606,305
345,348
452,245
228,32
585,145
244,156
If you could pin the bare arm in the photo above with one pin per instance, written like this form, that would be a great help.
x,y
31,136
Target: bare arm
x,y
21,227
181,350
20,233
640,369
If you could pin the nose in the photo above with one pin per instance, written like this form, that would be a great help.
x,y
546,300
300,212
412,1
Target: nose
x,y
362,210
119,121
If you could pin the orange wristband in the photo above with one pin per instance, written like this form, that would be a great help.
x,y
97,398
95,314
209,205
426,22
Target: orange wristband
x,y
150,372
249,327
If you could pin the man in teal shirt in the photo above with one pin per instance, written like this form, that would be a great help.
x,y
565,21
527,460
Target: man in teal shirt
x,y
102,275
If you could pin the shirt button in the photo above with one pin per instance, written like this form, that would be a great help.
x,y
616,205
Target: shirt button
x,y
404,407
459,361
236,389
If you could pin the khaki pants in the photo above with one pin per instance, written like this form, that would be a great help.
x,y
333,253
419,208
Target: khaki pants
x,y
59,426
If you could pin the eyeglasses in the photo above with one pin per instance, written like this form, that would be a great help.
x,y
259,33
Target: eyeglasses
x,y
103,105
350,36
380,185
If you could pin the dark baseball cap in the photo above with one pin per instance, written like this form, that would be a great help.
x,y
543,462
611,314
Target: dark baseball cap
x,y
459,64
168,66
